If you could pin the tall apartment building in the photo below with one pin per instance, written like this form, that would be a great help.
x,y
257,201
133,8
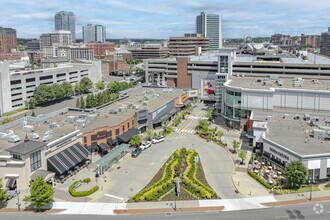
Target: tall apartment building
x,y
314,40
325,43
280,39
66,21
188,45
8,40
210,25
95,33
56,37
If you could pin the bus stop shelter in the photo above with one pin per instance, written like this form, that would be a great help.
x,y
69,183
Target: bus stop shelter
x,y
111,158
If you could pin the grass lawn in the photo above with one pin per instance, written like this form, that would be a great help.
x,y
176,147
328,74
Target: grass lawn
x,y
13,112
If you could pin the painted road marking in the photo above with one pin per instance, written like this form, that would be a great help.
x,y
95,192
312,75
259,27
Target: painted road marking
x,y
115,197
284,216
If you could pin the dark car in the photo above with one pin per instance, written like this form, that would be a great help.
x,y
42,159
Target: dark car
x,y
136,152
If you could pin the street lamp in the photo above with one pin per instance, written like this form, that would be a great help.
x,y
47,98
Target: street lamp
x,y
18,204
311,181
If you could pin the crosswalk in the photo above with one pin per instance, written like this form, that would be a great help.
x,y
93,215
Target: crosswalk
x,y
184,131
194,117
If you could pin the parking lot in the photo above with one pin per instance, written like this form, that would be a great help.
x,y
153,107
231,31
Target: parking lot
x,y
135,173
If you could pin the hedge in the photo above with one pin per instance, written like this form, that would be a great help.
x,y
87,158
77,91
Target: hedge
x,y
259,179
84,193
87,180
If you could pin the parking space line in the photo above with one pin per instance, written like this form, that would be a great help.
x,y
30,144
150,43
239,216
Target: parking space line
x,y
115,197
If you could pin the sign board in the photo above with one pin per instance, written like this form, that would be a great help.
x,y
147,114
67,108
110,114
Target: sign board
x,y
196,159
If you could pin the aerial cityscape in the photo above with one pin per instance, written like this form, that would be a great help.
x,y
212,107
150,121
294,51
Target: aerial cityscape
x,y
164,109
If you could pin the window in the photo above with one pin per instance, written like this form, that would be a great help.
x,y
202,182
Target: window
x,y
46,77
14,82
85,139
35,160
30,80
127,125
123,128
117,131
16,156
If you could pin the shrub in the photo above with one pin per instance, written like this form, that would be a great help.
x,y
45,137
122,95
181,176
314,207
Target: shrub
x,y
84,193
259,179
87,180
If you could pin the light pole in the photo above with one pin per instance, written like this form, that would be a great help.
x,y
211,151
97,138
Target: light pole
x,y
18,204
310,181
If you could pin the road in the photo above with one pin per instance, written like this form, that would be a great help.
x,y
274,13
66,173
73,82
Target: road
x,y
305,211
136,173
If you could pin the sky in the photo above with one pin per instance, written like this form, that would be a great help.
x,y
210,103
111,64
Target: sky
x,y
161,19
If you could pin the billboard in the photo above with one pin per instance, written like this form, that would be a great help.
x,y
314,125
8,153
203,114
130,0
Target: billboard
x,y
208,87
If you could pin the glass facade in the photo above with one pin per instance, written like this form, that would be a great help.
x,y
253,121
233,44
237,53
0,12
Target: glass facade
x,y
224,64
35,160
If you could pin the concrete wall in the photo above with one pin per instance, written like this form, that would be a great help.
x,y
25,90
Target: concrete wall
x,y
5,93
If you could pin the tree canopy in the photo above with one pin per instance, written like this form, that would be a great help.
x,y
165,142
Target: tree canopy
x,y
3,195
296,173
41,193
135,140
100,85
85,85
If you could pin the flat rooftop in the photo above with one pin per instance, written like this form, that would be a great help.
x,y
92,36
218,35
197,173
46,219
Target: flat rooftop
x,y
293,134
157,97
253,81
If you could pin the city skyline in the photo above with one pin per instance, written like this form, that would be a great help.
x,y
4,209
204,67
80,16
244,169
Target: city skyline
x,y
160,19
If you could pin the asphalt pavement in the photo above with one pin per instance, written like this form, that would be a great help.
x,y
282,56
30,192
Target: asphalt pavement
x,y
315,211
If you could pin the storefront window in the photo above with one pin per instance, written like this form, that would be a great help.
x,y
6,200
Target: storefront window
x,y
317,174
35,160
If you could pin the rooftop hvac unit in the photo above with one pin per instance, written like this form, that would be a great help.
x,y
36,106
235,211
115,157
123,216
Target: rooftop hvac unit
x,y
269,118
296,116
307,117
121,109
286,116
91,118
267,83
273,77
316,81
113,111
34,136
28,128
8,134
14,139
243,75
155,96
319,134
136,106
129,104
145,103
316,118
71,119
47,138
312,123
266,79
80,123
82,115
152,92
53,125
49,132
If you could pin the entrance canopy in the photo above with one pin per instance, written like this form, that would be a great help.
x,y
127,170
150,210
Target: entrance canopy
x,y
67,159
126,137
47,175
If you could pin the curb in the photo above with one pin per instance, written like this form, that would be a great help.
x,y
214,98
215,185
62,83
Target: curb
x,y
167,210
297,202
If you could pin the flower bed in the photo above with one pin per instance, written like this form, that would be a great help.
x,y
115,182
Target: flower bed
x,y
181,166
84,193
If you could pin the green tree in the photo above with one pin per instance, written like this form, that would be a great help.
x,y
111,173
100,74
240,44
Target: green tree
x,y
235,146
82,103
242,155
154,135
57,91
148,134
202,123
76,88
67,87
78,103
88,101
43,93
41,193
3,195
32,103
100,85
33,114
296,173
85,85
210,113
135,140
113,86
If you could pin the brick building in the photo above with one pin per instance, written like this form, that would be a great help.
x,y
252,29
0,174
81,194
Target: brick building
x,y
34,55
8,40
325,43
314,40
187,45
12,56
101,48
281,39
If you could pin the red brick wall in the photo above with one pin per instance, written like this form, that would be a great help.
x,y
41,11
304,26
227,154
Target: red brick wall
x,y
171,82
105,70
184,79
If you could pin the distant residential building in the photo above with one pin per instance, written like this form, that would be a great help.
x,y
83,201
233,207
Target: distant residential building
x,y
296,40
101,48
51,62
8,40
34,45
66,21
188,45
124,41
325,43
56,37
149,53
75,52
34,55
94,33
314,40
280,39
12,56
210,25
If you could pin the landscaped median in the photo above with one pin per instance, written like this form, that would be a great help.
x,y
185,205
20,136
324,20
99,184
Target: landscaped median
x,y
182,166
76,184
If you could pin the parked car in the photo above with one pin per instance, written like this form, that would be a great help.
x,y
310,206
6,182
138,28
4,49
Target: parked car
x,y
158,139
145,145
136,152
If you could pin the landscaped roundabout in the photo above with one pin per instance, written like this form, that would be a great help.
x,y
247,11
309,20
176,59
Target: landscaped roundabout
x,y
184,166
